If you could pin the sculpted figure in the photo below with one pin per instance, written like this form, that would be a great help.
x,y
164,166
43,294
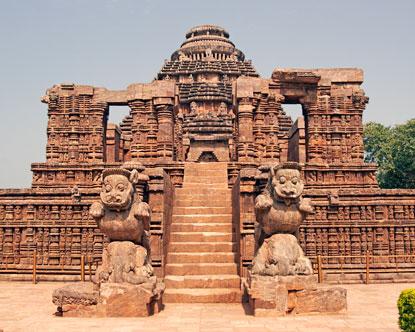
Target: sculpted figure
x,y
193,108
279,211
120,215
223,109
125,285
125,219
281,208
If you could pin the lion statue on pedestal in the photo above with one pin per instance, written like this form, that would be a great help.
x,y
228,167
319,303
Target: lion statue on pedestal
x,y
279,211
125,219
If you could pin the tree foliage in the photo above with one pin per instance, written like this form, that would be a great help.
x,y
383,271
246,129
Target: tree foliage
x,y
393,149
406,307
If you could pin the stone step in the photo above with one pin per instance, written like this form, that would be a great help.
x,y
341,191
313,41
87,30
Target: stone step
x,y
202,200
206,179
192,201
203,281
219,193
207,166
202,210
202,295
182,269
202,247
205,198
202,227
214,175
197,187
201,257
201,237
202,218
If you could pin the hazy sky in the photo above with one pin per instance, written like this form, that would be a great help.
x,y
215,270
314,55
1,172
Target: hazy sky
x,y
115,43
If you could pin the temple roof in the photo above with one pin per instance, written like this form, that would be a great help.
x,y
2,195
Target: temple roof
x,y
207,49
207,42
223,67
205,65
203,91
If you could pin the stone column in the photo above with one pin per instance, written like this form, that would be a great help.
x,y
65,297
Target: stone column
x,y
139,129
246,137
165,120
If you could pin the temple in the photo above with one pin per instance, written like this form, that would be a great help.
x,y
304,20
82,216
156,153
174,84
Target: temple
x,y
207,129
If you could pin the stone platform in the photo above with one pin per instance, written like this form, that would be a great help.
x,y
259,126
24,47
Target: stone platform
x,y
282,295
110,300
371,308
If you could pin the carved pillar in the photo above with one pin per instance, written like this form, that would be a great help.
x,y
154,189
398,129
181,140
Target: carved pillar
x,y
314,150
243,202
246,136
165,120
271,127
160,198
139,129
178,135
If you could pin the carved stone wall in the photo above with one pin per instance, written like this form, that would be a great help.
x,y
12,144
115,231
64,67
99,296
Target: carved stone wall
x,y
56,225
76,125
346,222
207,103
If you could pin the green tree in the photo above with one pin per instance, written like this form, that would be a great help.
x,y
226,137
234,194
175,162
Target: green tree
x,y
393,149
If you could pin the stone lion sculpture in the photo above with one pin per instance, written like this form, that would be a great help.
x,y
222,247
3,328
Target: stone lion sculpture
x,y
120,214
279,211
125,219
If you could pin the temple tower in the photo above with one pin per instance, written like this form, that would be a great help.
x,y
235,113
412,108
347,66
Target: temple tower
x,y
204,69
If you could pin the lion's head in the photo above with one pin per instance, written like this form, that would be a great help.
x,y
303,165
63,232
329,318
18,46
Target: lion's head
x,y
118,186
285,181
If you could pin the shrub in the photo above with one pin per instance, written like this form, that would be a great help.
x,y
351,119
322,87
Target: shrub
x,y
406,306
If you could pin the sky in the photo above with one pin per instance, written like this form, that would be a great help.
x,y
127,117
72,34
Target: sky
x,y
113,43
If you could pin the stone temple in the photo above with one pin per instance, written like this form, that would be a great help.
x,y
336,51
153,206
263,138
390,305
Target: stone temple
x,y
206,130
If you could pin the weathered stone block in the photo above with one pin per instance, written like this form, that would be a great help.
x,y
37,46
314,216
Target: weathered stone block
x,y
112,299
126,300
321,300
291,283
276,300
76,300
280,295
297,283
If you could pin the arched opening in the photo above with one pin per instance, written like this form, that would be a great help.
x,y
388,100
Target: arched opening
x,y
207,156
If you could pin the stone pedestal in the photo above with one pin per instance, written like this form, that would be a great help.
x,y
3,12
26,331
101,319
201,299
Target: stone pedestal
x,y
110,300
282,295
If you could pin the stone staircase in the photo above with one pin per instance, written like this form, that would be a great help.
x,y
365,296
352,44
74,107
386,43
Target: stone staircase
x,y
201,262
